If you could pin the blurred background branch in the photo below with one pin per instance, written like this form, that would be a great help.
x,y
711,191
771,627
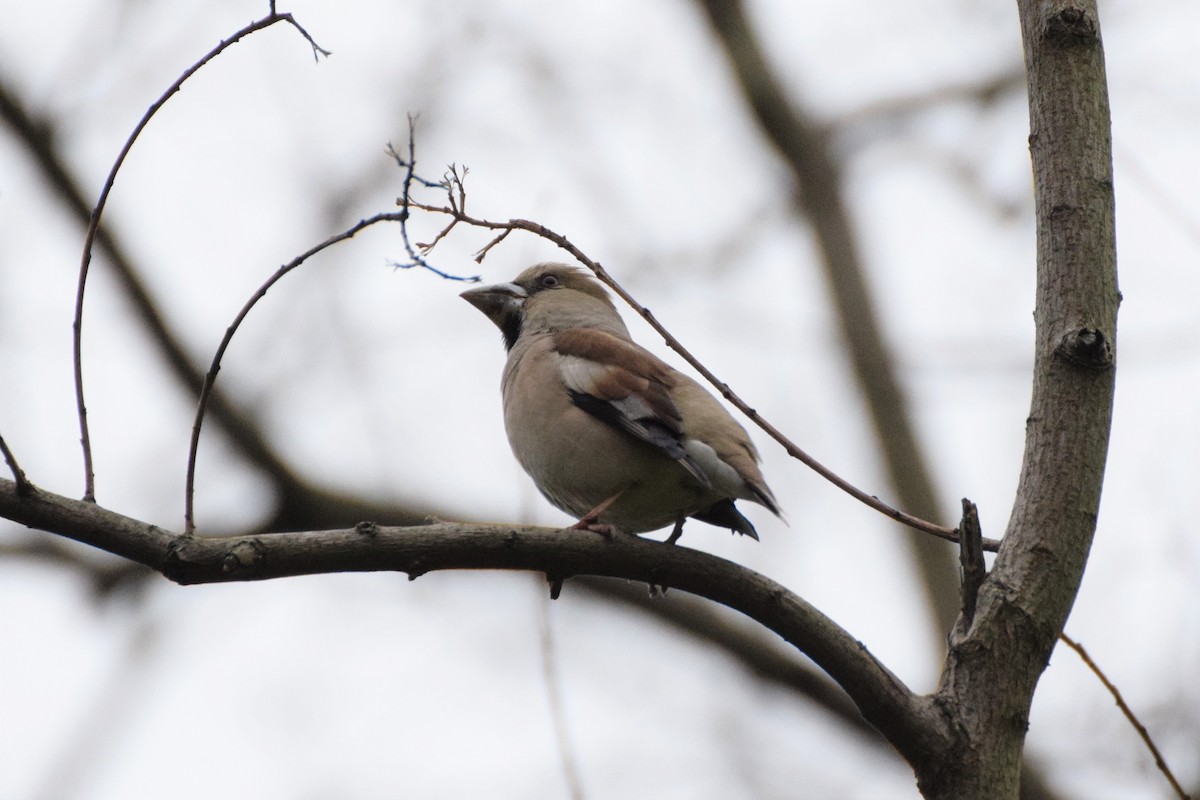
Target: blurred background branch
x,y
805,150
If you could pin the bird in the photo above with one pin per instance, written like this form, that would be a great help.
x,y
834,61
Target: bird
x,y
609,432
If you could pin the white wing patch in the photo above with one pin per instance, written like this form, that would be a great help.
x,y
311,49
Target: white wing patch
x,y
581,374
724,478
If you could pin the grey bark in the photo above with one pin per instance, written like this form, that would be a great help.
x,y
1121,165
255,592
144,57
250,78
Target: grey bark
x,y
992,670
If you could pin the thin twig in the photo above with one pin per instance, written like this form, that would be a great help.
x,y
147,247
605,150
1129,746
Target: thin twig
x,y
425,247
481,254
318,51
454,184
85,440
1129,715
37,133
416,259
24,487
550,673
211,376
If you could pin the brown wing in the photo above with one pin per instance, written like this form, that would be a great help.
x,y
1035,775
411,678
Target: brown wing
x,y
625,386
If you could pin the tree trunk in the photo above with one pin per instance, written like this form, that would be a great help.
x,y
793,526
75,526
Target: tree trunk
x,y
997,659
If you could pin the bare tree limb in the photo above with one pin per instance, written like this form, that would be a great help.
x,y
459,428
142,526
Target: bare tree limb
x,y
991,673
908,721
763,654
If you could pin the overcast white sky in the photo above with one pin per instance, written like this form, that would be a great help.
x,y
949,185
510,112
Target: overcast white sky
x,y
618,125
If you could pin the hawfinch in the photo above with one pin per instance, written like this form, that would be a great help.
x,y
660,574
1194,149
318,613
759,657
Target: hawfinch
x,y
609,432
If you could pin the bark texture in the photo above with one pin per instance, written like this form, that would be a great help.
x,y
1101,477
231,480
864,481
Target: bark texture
x,y
995,663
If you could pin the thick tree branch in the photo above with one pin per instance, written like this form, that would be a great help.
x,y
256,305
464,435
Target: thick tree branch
x,y
908,721
1023,604
1021,607
759,652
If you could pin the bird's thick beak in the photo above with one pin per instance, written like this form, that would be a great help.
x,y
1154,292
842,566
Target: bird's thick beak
x,y
503,303
499,299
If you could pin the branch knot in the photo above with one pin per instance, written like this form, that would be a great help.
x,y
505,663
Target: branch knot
x,y
245,556
1071,26
1087,348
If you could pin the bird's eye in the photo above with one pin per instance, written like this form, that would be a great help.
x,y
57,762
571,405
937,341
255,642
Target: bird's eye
x,y
550,281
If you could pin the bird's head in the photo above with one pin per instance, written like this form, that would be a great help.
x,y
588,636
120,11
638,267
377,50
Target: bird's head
x,y
546,297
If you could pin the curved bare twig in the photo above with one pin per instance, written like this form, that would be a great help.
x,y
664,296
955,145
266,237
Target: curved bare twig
x,y
211,376
1129,715
98,210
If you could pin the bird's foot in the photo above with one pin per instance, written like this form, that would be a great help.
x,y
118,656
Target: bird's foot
x,y
591,520
602,528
